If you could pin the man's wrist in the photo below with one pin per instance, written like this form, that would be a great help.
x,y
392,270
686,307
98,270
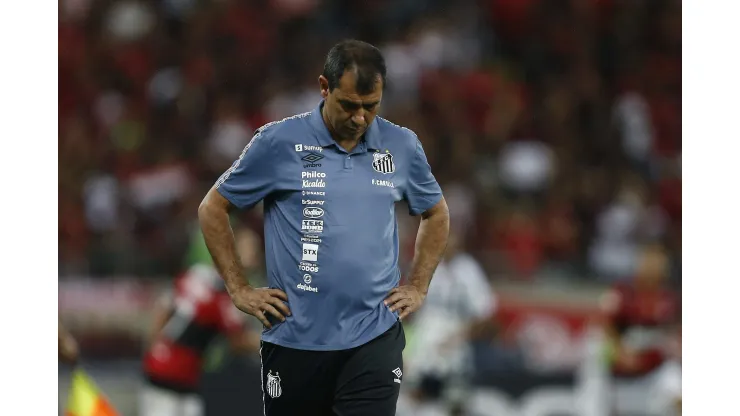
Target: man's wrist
x,y
236,286
418,283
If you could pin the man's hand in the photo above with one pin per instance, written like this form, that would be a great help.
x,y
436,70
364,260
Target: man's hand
x,y
407,299
259,301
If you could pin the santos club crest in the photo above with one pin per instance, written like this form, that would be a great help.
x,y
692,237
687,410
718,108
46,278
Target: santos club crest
x,y
383,162
272,387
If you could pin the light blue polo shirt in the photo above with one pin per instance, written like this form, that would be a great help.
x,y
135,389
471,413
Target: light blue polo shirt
x,y
331,236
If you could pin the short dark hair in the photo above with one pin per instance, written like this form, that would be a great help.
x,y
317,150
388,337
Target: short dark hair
x,y
357,55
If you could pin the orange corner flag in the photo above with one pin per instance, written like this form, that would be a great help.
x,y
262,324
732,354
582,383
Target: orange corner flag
x,y
85,399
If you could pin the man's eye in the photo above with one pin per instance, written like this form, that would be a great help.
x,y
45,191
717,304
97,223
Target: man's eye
x,y
353,107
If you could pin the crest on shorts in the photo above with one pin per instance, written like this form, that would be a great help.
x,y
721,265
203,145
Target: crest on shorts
x,y
272,386
383,162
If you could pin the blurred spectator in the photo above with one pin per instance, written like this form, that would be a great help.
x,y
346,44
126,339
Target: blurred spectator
x,y
460,303
187,319
559,229
229,134
642,329
526,166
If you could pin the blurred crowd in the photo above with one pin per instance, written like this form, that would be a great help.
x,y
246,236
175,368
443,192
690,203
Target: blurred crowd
x,y
554,126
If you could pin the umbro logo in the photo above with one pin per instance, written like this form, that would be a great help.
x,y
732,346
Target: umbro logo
x,y
398,373
312,158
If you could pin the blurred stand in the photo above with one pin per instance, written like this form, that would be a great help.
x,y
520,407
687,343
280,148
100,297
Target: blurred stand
x,y
554,127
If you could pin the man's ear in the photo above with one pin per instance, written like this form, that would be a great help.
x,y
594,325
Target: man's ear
x,y
324,86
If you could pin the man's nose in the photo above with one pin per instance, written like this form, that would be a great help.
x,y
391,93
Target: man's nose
x,y
359,117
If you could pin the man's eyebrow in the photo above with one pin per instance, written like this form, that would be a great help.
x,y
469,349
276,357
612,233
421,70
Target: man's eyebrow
x,y
357,103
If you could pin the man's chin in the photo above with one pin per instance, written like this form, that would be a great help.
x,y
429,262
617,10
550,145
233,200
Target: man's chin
x,y
355,134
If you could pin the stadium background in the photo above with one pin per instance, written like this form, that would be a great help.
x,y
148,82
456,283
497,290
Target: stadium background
x,y
554,127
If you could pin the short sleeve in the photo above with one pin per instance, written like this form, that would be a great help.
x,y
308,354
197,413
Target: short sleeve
x,y
251,177
422,190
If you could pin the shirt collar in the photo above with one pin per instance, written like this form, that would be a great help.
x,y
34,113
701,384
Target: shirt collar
x,y
371,138
317,123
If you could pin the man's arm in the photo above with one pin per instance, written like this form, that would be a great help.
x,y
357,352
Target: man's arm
x,y
250,179
431,242
213,215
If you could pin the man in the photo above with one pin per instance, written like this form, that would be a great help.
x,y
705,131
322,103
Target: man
x,y
186,321
329,179
68,350
460,304
642,331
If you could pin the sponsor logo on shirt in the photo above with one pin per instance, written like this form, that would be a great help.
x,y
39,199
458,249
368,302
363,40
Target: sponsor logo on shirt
x,y
310,252
308,148
310,239
311,202
313,212
312,226
306,285
318,183
312,158
379,182
383,162
307,288
312,175
314,193
308,267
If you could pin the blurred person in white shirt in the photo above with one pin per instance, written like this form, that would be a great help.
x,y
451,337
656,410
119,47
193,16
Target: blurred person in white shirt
x,y
438,359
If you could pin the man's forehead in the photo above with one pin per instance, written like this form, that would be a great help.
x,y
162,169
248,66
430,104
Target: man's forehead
x,y
347,90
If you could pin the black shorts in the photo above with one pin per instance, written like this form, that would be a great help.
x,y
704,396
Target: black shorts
x,y
364,380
